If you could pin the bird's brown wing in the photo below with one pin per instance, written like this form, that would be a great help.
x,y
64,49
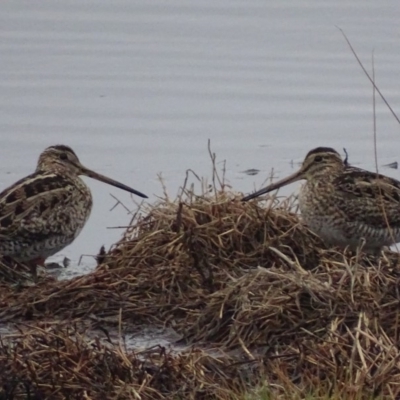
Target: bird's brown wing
x,y
369,198
29,205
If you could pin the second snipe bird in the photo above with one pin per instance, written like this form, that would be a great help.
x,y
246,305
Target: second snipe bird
x,y
45,211
344,205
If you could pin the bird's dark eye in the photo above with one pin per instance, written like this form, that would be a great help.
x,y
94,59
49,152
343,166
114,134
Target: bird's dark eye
x,y
318,159
63,156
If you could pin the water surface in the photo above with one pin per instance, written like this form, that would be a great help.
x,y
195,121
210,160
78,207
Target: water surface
x,y
137,88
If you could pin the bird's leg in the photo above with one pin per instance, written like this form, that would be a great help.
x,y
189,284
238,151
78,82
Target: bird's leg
x,y
33,265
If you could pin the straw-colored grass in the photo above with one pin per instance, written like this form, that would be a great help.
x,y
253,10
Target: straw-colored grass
x,y
248,279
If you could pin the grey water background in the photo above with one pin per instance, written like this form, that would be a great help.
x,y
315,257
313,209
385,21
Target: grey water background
x,y
137,88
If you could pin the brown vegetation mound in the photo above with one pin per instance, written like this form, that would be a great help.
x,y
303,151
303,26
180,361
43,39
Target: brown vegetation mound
x,y
170,262
248,278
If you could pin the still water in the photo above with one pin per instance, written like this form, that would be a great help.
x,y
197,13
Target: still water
x,y
137,88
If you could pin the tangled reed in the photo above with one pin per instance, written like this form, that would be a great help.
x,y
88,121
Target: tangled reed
x,y
247,279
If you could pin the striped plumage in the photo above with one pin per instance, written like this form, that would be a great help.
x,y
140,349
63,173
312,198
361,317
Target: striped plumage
x,y
345,205
45,211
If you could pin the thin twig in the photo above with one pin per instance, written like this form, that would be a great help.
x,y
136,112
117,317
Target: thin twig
x,y
369,77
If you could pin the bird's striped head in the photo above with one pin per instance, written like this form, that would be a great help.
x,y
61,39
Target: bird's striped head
x,y
59,158
62,160
317,164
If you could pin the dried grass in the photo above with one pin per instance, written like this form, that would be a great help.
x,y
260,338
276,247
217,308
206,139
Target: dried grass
x,y
247,278
59,362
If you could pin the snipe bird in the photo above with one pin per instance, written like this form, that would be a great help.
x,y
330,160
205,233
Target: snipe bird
x,y
345,205
45,211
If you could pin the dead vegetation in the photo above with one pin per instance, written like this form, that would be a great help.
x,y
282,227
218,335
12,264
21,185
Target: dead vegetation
x,y
247,279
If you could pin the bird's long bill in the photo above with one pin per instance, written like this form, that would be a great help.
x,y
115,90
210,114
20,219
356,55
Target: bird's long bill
x,y
110,181
273,186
